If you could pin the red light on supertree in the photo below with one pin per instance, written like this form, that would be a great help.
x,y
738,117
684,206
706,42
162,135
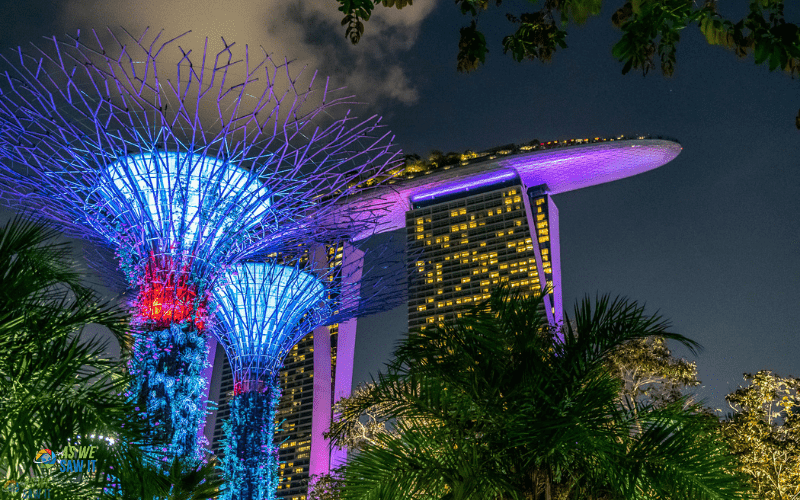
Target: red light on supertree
x,y
167,296
244,386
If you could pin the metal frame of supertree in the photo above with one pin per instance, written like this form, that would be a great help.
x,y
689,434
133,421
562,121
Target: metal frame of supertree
x,y
184,167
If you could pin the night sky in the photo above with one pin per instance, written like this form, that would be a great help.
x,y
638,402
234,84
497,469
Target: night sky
x,y
710,240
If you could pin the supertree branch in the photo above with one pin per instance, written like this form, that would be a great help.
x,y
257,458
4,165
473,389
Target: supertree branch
x,y
75,109
262,309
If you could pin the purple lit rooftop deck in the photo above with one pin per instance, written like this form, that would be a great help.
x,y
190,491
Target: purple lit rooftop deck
x,y
561,169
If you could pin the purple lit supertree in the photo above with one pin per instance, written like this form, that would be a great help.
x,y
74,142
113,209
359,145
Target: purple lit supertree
x,y
185,164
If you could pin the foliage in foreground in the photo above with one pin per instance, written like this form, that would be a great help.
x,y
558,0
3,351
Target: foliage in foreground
x,y
490,406
651,30
52,386
57,389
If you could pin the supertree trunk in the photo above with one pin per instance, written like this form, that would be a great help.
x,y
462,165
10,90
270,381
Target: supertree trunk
x,y
169,386
170,353
251,458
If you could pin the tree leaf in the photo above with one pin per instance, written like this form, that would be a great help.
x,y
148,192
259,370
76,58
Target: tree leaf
x,y
471,48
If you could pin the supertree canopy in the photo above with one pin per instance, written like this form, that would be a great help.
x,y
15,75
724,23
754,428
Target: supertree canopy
x,y
261,306
185,162
264,309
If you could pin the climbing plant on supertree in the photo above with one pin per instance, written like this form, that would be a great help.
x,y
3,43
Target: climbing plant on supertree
x,y
185,162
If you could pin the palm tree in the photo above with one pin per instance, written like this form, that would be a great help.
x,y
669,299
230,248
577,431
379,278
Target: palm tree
x,y
498,405
55,385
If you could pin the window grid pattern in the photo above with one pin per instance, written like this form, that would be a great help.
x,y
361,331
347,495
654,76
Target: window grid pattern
x,y
464,248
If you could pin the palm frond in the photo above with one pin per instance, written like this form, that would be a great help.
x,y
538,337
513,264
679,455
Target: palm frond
x,y
55,385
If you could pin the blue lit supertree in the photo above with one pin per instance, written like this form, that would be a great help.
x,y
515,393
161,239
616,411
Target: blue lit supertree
x,y
185,162
263,310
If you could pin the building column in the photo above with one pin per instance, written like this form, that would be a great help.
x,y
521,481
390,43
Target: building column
x,y
352,268
529,212
555,260
323,458
320,460
322,413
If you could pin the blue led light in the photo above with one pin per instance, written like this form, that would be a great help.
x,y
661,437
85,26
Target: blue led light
x,y
260,309
187,200
264,309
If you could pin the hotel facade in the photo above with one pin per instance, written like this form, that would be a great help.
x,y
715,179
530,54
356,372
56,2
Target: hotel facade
x,y
468,245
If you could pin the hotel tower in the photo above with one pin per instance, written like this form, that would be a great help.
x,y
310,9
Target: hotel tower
x,y
466,245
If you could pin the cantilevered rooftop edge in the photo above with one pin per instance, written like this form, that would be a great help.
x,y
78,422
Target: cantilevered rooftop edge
x,y
559,169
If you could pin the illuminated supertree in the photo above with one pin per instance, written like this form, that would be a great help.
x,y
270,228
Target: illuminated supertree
x,y
263,310
185,162
260,310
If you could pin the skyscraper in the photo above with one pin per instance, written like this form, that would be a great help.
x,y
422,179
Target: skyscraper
x,y
500,224
467,245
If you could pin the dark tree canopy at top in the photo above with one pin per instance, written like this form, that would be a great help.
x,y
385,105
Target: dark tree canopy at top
x,y
651,30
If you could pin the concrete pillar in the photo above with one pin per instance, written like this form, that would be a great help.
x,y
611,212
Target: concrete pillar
x,y
352,269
